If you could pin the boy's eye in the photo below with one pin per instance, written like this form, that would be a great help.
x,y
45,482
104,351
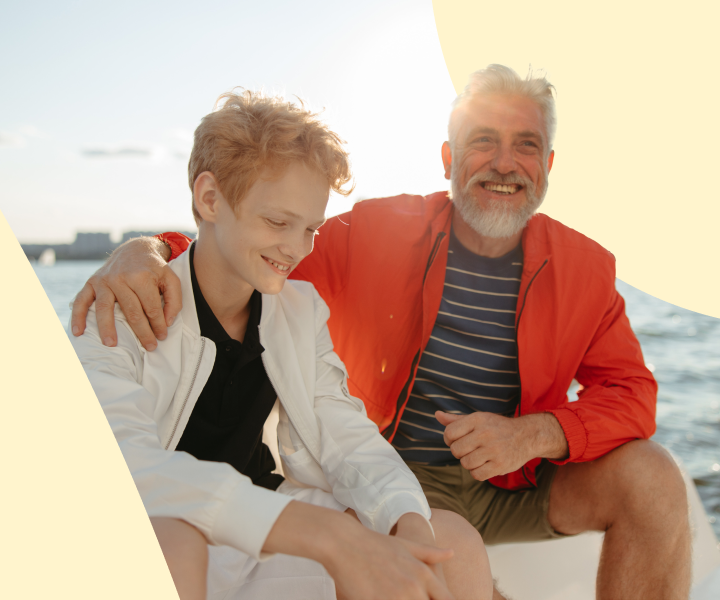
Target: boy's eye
x,y
275,223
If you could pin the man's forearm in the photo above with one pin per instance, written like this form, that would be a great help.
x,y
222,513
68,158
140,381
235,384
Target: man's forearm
x,y
545,435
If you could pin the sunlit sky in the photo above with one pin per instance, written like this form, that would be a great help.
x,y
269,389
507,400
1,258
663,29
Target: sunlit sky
x,y
99,100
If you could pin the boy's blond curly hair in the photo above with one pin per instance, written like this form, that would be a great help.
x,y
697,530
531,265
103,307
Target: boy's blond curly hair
x,y
252,135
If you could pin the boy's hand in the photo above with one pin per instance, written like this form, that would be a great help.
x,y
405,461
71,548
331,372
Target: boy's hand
x,y
365,565
136,276
375,567
415,528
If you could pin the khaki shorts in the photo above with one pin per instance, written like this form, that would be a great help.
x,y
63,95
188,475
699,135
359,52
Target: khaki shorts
x,y
501,516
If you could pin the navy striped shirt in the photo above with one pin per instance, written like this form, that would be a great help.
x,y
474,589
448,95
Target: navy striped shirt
x,y
470,362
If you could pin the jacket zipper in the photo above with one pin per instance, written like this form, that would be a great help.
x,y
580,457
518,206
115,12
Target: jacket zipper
x,y
187,396
517,329
390,430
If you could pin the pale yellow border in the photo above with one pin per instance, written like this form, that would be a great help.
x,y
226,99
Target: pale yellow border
x,y
73,523
638,147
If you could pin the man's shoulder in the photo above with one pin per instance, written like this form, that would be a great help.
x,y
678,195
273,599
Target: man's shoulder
x,y
407,208
559,238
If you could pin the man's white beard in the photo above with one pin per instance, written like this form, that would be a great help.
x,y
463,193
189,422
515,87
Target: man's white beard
x,y
499,219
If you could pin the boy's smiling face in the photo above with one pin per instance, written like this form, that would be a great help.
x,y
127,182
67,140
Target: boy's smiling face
x,y
271,230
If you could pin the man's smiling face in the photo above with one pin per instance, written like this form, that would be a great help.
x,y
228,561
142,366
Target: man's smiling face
x,y
498,163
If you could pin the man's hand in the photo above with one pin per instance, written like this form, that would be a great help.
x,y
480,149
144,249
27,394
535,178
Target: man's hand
x,y
138,277
488,444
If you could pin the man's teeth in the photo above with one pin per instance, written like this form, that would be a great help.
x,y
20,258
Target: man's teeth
x,y
277,266
500,188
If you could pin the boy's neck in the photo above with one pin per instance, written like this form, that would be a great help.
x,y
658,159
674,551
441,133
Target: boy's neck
x,y
227,295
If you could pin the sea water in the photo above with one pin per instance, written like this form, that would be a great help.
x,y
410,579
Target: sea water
x,y
681,348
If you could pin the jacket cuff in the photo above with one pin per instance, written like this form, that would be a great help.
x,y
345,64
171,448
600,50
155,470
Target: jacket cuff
x,y
246,518
575,434
177,241
396,508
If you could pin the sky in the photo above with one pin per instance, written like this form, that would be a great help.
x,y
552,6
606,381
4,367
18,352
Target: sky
x,y
98,100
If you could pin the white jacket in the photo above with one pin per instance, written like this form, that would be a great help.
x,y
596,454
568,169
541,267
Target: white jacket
x,y
325,439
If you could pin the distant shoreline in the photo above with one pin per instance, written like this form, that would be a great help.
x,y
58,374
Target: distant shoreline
x,y
87,246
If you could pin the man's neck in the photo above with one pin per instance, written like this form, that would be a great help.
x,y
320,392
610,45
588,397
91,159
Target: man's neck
x,y
227,295
480,244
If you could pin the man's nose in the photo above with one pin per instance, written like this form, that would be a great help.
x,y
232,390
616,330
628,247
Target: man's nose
x,y
504,161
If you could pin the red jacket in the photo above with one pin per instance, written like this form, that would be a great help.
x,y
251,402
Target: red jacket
x,y
381,270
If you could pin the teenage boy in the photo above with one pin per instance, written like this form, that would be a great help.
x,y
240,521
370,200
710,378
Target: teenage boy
x,y
189,417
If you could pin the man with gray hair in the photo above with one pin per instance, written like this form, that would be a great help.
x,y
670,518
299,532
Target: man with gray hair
x,y
463,318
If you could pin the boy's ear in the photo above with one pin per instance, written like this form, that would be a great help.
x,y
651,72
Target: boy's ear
x,y
207,195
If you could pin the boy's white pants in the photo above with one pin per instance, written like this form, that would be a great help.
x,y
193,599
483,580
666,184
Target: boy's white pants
x,y
233,575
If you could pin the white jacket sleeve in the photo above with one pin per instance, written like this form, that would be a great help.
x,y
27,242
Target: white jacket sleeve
x,y
364,470
213,497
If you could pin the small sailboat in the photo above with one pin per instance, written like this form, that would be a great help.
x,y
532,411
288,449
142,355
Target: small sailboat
x,y
47,258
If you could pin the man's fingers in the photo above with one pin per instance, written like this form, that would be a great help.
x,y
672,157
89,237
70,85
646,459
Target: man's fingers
x,y
486,471
105,315
474,459
80,308
151,302
133,311
459,428
170,287
447,418
472,442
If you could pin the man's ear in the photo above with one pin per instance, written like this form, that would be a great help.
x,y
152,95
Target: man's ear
x,y
551,158
446,158
206,193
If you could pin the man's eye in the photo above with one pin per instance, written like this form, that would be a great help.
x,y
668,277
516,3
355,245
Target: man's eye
x,y
313,231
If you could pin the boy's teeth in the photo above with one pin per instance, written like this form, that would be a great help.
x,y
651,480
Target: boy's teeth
x,y
281,267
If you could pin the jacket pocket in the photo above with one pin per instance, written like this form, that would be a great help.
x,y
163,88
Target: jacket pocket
x,y
301,469
334,360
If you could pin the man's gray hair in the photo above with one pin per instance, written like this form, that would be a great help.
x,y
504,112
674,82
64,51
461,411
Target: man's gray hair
x,y
499,79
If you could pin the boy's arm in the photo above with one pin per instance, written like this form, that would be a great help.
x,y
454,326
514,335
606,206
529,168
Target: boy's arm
x,y
225,506
213,497
364,470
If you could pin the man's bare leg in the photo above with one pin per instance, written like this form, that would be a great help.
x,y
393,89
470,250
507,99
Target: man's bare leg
x,y
637,496
186,553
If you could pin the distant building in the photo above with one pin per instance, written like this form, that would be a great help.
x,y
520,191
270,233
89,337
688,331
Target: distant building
x,y
90,245
87,246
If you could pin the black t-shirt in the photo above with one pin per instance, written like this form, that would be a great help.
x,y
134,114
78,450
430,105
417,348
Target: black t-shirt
x,y
226,424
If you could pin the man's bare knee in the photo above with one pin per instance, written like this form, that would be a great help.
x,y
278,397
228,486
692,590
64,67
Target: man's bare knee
x,y
186,554
638,478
